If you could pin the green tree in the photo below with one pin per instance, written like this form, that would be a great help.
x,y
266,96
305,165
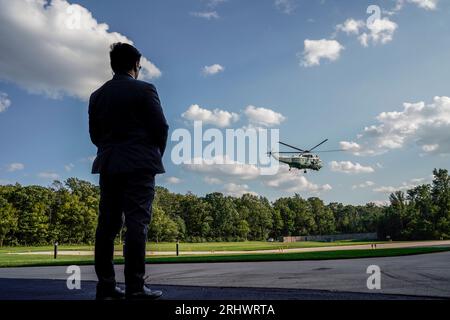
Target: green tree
x,y
8,219
323,217
225,216
33,205
287,216
257,212
440,194
195,213
277,224
162,227
74,212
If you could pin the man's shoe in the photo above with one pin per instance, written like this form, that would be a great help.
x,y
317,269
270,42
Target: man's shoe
x,y
115,294
145,294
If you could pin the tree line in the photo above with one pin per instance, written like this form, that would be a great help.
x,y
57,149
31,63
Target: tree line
x,y
67,212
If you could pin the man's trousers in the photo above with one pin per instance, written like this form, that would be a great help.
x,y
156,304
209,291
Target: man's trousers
x,y
128,198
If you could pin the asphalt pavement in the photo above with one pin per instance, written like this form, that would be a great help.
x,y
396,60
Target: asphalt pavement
x,y
426,275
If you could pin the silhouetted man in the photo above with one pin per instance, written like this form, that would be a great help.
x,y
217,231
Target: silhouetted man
x,y
127,124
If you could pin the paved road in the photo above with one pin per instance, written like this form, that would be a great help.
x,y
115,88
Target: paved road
x,y
40,289
419,275
410,244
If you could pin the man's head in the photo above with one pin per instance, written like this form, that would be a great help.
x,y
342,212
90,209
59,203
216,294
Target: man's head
x,y
125,59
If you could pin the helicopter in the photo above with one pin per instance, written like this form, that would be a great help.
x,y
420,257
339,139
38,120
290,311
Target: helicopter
x,y
301,159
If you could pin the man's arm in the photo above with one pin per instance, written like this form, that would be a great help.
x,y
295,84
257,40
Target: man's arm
x,y
93,125
154,116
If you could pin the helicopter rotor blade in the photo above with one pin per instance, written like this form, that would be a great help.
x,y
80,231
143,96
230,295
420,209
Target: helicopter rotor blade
x,y
337,150
287,145
317,145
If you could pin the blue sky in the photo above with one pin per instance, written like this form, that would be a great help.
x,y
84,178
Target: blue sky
x,y
260,46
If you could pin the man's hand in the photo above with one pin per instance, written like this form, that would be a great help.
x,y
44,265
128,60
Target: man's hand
x,y
153,113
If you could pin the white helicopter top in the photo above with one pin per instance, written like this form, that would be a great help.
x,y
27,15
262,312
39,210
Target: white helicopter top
x,y
302,159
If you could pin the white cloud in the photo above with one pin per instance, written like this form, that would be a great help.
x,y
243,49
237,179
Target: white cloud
x,y
212,69
286,6
351,26
48,175
237,190
217,117
263,116
234,172
403,187
215,3
15,167
257,117
224,167
420,180
293,182
316,50
390,189
212,180
210,12
426,125
424,4
350,167
226,172
363,185
5,102
379,31
69,167
350,146
357,149
208,15
430,147
57,48
173,180
88,159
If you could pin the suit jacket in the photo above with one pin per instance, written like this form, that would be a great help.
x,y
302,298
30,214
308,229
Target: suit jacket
x,y
127,124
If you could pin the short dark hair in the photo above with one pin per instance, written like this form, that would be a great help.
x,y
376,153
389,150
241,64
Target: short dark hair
x,y
123,57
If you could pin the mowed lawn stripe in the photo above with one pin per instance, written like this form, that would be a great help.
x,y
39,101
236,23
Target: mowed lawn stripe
x,y
7,260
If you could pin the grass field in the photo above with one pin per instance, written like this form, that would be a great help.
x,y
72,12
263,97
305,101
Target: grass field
x,y
206,246
8,260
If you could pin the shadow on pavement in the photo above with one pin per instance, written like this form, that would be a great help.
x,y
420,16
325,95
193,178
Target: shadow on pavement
x,y
41,289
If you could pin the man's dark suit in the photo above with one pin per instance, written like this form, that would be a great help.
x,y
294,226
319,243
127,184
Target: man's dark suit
x,y
127,124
